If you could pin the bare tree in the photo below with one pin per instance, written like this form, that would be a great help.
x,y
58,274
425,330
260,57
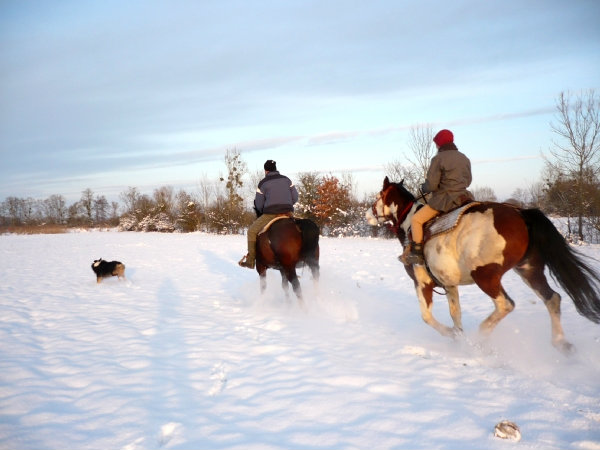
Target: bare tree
x,y
236,169
130,198
114,215
577,152
413,171
20,210
100,208
74,214
255,178
536,195
400,171
519,197
349,183
206,194
484,194
164,198
87,204
206,190
233,209
421,146
55,209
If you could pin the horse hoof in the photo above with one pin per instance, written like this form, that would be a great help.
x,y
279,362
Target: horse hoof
x,y
566,348
447,332
507,430
457,333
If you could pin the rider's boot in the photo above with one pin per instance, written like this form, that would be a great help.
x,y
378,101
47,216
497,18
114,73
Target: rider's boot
x,y
415,255
248,260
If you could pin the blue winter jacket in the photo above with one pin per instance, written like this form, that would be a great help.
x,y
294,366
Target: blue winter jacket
x,y
276,194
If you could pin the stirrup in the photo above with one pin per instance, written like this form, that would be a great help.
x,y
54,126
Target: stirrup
x,y
244,262
416,259
413,254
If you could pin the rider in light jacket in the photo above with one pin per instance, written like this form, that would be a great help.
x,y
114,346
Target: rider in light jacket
x,y
448,177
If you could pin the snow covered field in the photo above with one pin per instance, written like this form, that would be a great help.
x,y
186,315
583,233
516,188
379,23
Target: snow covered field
x,y
186,354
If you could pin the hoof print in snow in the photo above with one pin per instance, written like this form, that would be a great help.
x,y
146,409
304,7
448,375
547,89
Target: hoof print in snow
x,y
168,432
508,430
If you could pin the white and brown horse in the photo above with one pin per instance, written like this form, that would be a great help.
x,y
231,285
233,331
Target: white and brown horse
x,y
490,239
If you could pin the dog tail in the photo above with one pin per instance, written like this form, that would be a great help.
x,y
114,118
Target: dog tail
x,y
119,270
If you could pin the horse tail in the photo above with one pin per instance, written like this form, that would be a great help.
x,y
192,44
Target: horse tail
x,y
310,237
566,265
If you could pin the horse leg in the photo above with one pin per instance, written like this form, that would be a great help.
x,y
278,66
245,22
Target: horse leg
x,y
292,277
532,273
262,273
454,306
488,279
424,286
314,270
284,283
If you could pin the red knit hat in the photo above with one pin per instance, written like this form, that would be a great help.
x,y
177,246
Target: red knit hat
x,y
443,137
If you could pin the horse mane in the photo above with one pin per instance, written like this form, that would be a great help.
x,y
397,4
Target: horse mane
x,y
406,197
403,191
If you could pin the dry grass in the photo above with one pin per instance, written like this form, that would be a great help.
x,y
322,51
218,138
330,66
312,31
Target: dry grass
x,y
34,229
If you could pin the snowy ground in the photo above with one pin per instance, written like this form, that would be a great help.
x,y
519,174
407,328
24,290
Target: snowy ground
x,y
187,354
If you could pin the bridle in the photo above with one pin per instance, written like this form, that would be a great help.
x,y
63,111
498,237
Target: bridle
x,y
404,212
374,209
400,217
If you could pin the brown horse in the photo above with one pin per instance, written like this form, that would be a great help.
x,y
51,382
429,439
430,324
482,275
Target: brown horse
x,y
286,244
490,239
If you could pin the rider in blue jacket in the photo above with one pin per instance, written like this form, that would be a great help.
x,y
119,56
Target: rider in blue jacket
x,y
275,196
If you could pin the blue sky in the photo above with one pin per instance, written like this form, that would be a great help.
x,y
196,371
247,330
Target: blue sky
x,y
107,95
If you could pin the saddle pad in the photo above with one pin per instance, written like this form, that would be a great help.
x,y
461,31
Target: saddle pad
x,y
268,225
448,221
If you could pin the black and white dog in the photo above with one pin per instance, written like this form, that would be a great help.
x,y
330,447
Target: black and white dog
x,y
105,269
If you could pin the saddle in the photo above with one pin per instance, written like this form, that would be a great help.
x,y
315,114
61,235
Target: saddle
x,y
445,222
271,222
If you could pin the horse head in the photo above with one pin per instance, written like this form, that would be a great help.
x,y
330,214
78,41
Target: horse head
x,y
392,203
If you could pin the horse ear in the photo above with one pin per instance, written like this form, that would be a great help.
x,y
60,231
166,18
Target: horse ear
x,y
386,183
402,182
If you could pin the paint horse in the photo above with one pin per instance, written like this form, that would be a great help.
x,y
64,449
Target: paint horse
x,y
489,240
285,244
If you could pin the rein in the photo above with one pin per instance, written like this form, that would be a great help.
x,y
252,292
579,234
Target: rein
x,y
396,226
405,211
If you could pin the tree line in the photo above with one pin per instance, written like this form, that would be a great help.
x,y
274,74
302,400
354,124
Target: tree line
x,y
213,208
89,210
570,188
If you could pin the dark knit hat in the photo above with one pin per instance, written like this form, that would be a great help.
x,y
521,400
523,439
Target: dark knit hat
x,y
270,165
443,137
